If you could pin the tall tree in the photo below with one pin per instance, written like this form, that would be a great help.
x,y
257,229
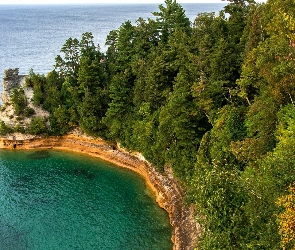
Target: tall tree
x,y
171,17
269,180
67,64
217,188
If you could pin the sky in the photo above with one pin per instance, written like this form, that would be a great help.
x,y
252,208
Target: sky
x,y
100,1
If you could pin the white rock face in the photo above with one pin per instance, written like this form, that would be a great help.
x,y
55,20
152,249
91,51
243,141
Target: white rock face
x,y
11,80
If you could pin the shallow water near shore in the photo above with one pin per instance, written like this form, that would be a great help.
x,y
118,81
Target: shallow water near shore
x,y
60,200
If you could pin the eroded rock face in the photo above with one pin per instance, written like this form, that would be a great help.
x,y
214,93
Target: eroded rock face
x,y
170,195
11,80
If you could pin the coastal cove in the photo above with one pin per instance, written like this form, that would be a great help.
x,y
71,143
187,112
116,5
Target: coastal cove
x,y
169,194
57,199
203,113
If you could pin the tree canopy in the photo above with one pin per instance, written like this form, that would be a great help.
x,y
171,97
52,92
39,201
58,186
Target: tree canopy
x,y
213,100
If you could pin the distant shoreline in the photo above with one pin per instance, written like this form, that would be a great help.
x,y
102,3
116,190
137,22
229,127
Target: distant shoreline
x,y
169,194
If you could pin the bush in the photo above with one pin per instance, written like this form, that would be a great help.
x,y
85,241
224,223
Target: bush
x,y
19,129
5,129
19,101
37,126
28,112
29,82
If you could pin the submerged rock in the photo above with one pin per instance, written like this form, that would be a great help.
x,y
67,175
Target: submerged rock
x,y
12,238
84,173
38,155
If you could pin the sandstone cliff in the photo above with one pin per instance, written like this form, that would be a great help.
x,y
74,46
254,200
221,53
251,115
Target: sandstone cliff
x,y
170,195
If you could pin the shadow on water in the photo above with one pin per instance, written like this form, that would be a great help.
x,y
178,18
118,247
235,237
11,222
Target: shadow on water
x,y
38,155
82,172
12,238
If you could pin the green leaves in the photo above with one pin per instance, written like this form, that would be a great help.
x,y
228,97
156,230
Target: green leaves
x,y
37,126
19,101
170,18
218,191
5,129
68,64
213,101
269,179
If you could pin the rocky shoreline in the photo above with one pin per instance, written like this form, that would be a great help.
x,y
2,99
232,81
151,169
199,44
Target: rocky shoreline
x,y
170,196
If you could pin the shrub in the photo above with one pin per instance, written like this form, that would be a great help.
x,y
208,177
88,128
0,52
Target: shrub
x,y
5,129
19,101
29,82
19,129
19,118
28,112
37,126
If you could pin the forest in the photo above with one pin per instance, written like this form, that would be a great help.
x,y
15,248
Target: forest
x,y
213,100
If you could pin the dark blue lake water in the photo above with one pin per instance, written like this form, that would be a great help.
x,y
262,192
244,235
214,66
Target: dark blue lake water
x,y
60,200
32,35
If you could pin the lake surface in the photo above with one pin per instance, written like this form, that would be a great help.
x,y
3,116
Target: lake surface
x,y
32,35
59,200
55,200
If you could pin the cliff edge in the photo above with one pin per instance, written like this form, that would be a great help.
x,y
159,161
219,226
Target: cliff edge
x,y
168,191
170,195
13,80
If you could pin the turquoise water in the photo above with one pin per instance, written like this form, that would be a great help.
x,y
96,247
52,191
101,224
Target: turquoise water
x,y
59,200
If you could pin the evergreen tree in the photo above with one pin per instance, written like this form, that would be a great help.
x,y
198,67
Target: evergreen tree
x,y
171,17
213,101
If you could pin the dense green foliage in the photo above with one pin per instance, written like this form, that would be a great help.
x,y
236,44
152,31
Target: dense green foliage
x,y
5,129
19,101
37,126
213,100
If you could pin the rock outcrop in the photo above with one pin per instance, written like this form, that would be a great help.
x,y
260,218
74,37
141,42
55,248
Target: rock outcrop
x,y
11,80
170,195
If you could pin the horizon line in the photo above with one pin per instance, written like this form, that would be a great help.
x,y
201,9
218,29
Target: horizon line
x,y
111,3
